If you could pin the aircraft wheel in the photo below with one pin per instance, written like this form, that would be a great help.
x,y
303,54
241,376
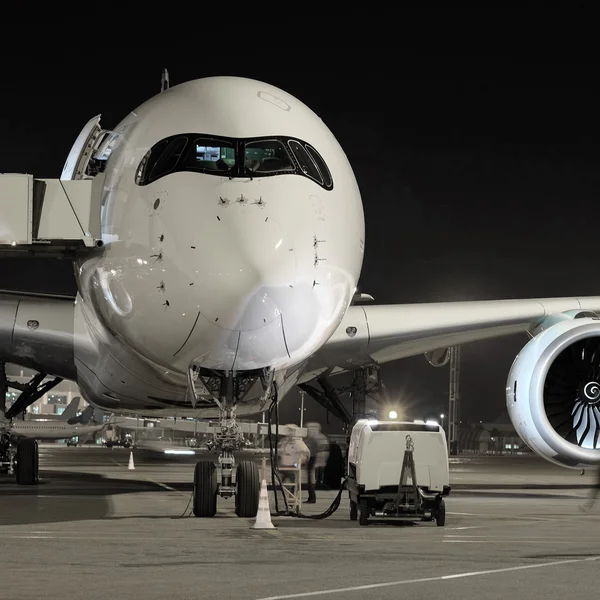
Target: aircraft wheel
x,y
247,483
27,459
205,489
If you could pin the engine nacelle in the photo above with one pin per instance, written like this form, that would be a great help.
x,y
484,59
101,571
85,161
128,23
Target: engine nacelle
x,y
553,390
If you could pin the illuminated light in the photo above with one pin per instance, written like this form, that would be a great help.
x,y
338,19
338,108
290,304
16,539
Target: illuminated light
x,y
372,422
393,414
140,261
13,243
431,423
442,416
187,452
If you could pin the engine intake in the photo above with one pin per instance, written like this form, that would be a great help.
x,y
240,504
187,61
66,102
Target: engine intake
x,y
553,391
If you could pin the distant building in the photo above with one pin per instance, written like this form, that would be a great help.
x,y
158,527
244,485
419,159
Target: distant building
x,y
497,437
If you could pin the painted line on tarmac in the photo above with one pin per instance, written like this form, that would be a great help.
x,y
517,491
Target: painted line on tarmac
x,y
374,586
158,483
498,516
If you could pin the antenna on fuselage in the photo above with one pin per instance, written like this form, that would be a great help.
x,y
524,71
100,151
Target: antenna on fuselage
x,y
164,83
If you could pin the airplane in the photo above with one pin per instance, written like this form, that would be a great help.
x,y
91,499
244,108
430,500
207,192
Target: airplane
x,y
57,429
224,272
69,414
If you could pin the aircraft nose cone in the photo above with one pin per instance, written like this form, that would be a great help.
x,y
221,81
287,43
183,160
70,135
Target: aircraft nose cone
x,y
246,268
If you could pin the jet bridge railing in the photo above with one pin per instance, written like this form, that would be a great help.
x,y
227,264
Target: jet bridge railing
x,y
49,215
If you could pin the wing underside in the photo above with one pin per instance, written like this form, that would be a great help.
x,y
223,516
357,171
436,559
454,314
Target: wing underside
x,y
379,334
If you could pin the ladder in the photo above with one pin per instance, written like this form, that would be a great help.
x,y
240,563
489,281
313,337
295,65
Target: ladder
x,y
406,492
292,490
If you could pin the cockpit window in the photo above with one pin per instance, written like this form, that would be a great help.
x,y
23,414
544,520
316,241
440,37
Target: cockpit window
x,y
233,158
308,166
209,155
267,156
327,181
161,159
168,159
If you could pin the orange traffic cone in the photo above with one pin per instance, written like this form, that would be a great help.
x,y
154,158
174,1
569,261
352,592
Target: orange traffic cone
x,y
131,465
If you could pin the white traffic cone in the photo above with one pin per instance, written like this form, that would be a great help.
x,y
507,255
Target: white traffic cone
x,y
131,465
263,516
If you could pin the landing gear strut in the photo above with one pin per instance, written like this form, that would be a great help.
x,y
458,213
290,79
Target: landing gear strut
x,y
21,458
227,389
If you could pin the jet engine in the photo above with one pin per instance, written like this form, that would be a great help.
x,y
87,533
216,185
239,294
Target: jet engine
x,y
553,390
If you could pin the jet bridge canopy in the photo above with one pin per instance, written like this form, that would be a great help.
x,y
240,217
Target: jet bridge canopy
x,y
49,215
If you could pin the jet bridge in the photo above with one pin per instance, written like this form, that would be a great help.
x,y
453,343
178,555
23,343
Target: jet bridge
x,y
49,216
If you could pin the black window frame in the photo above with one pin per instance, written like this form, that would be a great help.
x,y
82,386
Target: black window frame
x,y
238,171
302,146
321,165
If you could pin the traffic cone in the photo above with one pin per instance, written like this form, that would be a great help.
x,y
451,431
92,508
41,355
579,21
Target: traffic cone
x,y
263,516
131,465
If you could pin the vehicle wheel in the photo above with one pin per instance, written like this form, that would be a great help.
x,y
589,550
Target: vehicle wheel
x,y
27,462
205,489
363,509
247,493
334,469
440,514
353,511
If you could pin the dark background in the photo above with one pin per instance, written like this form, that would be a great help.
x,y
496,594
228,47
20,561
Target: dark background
x,y
479,177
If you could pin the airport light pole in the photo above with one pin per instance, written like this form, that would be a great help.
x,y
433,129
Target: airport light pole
x,y
453,399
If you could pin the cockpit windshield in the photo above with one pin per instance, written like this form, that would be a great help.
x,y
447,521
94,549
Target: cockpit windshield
x,y
207,154
267,156
233,158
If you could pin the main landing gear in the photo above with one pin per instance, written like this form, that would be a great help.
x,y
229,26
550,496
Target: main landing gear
x,y
20,458
227,389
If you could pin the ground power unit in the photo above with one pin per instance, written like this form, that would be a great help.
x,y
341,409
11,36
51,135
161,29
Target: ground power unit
x,y
398,470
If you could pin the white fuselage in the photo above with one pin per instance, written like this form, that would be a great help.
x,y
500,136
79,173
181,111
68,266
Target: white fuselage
x,y
230,270
51,430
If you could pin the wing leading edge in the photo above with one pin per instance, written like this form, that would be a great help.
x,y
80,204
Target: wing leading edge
x,y
380,334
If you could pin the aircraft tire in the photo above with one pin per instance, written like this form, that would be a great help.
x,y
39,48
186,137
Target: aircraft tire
x,y
205,489
27,467
247,483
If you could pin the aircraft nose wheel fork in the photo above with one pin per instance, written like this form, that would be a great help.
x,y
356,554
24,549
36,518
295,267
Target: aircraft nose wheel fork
x,y
246,488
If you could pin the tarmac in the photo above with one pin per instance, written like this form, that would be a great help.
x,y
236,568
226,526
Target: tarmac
x,y
94,529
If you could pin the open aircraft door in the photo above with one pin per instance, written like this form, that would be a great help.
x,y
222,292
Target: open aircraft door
x,y
82,150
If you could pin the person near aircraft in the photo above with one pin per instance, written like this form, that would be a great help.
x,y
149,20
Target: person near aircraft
x,y
318,445
293,455
593,495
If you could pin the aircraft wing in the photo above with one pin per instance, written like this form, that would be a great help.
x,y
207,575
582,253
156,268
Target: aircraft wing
x,y
382,333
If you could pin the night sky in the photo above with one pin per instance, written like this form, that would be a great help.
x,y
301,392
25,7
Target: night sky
x,y
479,178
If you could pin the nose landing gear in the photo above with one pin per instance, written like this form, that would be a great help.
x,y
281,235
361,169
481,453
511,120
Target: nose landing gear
x,y
232,387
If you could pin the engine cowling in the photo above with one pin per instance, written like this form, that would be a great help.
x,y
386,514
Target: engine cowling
x,y
553,391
